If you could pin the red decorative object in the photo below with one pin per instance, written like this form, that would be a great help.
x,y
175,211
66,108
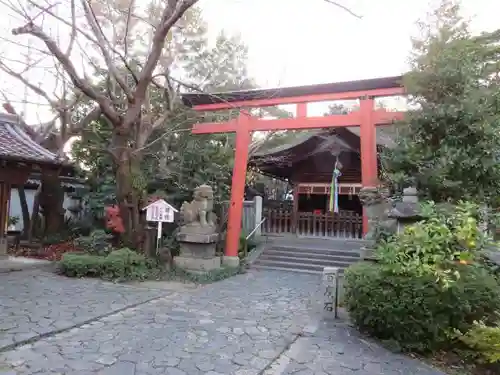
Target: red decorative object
x,y
51,252
113,219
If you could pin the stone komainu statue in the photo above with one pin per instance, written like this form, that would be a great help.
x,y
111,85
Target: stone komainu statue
x,y
199,212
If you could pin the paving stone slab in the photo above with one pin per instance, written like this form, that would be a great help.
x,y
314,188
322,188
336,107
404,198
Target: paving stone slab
x,y
36,302
338,349
234,326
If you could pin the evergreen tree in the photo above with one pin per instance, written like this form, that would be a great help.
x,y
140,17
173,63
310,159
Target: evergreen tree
x,y
449,144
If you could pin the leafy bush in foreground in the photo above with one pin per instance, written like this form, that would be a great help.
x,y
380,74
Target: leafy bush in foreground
x,y
122,264
415,311
485,341
97,242
125,264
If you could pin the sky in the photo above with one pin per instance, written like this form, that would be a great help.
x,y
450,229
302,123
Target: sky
x,y
299,42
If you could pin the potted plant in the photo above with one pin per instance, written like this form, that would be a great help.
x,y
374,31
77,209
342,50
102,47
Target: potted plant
x,y
12,222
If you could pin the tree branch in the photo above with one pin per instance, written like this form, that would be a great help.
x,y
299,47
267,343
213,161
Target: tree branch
x,y
127,26
337,4
84,34
73,29
91,116
36,89
105,103
103,45
173,11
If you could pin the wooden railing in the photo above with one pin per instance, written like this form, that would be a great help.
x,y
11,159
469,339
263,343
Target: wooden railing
x,y
345,224
248,217
277,221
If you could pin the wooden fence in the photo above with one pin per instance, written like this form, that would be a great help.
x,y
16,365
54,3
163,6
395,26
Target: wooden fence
x,y
345,224
252,211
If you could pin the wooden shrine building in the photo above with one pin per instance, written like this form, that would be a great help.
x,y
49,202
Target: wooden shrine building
x,y
19,157
366,118
306,162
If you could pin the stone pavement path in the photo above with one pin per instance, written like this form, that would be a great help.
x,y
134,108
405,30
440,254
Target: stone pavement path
x,y
34,303
249,324
337,349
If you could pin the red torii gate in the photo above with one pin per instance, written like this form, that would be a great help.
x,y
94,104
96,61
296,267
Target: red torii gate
x,y
367,117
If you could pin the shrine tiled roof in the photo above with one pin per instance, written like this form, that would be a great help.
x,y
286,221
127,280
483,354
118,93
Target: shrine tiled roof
x,y
193,99
385,136
16,145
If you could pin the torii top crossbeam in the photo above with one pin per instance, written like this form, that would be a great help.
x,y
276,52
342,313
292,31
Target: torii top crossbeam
x,y
367,117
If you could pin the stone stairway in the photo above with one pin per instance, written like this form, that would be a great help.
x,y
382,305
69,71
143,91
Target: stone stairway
x,y
308,255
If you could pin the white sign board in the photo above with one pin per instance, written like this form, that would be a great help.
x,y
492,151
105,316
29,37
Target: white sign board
x,y
160,211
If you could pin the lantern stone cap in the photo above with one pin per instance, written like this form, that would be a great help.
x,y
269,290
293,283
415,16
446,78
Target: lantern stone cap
x,y
163,203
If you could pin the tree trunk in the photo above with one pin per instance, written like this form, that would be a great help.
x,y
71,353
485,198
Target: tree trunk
x,y
129,197
25,210
51,202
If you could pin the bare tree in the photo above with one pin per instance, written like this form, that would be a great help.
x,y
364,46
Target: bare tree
x,y
111,37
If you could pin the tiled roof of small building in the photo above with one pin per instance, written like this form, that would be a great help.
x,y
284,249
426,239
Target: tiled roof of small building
x,y
15,144
66,181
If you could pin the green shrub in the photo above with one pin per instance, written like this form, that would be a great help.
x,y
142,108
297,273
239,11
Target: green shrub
x,y
205,278
12,220
96,243
447,235
250,245
485,340
81,265
125,264
170,242
491,266
122,264
81,226
57,238
415,311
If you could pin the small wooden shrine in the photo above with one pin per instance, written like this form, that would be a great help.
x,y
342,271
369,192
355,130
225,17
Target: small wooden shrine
x,y
20,156
307,162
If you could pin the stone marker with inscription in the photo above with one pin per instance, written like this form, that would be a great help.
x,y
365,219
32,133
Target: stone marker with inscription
x,y
331,286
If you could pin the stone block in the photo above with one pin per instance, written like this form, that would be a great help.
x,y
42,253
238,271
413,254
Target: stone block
x,y
3,247
197,265
368,253
231,261
197,237
197,250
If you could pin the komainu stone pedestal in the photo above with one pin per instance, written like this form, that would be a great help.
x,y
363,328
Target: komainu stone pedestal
x,y
198,234
197,253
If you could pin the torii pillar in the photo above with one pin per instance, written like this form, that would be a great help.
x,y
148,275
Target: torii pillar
x,y
368,148
243,139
